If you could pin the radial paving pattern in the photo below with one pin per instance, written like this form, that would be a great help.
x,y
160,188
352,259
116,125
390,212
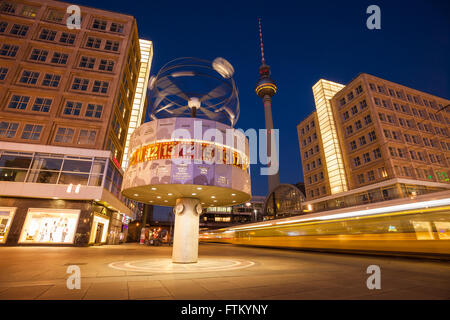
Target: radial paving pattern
x,y
166,265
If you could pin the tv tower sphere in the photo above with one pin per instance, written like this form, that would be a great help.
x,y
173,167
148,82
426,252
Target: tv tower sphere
x,y
190,156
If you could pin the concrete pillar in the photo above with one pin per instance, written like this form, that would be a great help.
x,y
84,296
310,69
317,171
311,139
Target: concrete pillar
x,y
185,237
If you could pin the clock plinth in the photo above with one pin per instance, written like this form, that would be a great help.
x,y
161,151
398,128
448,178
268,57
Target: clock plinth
x,y
185,246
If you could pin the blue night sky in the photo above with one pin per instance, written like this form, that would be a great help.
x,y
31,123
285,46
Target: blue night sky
x,y
303,42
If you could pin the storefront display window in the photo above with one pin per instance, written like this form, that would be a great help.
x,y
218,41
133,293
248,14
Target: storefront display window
x,y
6,216
44,225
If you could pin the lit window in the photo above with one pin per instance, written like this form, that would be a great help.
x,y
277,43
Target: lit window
x,y
87,137
55,15
29,11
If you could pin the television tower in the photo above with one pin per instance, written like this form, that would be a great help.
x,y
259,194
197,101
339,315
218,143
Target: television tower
x,y
265,89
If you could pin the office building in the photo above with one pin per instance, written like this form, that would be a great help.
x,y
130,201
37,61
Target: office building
x,y
66,98
373,140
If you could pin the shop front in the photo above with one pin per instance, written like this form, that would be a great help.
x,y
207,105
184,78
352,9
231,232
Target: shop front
x,y
6,217
51,226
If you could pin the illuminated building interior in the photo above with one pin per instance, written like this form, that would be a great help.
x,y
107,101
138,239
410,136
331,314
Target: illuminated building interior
x,y
137,111
323,91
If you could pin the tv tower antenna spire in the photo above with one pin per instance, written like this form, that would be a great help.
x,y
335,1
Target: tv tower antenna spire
x,y
266,89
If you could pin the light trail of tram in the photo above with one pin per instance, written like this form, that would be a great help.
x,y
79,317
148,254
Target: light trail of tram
x,y
405,227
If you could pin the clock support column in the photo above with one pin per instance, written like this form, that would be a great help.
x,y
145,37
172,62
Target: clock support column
x,y
185,237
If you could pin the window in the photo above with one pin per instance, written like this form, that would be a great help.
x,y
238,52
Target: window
x,y
29,77
391,93
3,26
372,87
29,11
386,104
366,157
19,102
87,136
48,35
93,110
3,73
390,119
381,89
87,62
51,80
93,43
387,133
350,96
59,58
407,137
100,86
112,45
360,178
372,136
354,110
357,161
363,104
370,175
116,27
68,38
413,154
382,116
359,89
19,30
358,124
9,50
32,132
362,140
382,173
393,152
55,15
377,101
367,119
8,129
426,141
64,135
99,24
377,153
349,130
42,104
396,135
341,102
401,153
72,108
8,7
39,55
80,84
106,65
353,145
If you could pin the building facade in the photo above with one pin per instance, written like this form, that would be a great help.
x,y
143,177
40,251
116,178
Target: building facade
x,y
221,217
387,141
66,100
